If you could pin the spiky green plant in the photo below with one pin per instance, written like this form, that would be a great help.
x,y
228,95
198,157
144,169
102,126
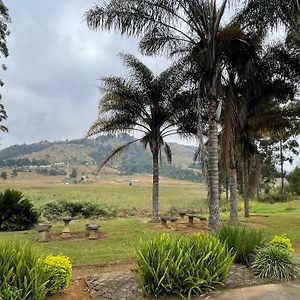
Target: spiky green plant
x,y
22,275
181,265
275,263
242,240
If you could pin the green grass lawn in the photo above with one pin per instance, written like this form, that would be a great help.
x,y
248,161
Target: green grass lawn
x,y
124,234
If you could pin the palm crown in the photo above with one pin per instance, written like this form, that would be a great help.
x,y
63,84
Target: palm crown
x,y
144,103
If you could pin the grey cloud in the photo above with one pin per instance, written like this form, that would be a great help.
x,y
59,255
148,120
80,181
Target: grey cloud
x,y
54,65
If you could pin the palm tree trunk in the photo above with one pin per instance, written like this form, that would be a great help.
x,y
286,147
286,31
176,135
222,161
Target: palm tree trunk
x,y
213,175
226,189
257,176
246,188
281,167
233,196
155,183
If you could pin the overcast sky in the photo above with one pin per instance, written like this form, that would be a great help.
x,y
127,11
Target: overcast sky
x,y
55,62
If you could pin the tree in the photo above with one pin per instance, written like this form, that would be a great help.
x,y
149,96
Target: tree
x,y
73,173
189,29
293,179
4,32
143,103
14,173
3,175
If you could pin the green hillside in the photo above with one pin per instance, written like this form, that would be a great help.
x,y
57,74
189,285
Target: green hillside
x,y
83,152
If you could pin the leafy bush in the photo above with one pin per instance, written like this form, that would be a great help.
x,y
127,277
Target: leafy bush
x,y
275,263
59,270
22,274
63,208
283,242
242,240
16,212
181,265
277,196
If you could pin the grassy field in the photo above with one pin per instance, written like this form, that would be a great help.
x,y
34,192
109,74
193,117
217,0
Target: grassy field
x,y
114,192
123,234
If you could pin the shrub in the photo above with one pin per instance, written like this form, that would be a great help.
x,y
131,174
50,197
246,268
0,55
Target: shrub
x,y
16,212
59,270
181,265
22,275
62,208
283,242
275,263
277,196
242,240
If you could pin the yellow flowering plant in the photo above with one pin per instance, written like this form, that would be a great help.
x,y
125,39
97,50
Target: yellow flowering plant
x,y
59,270
282,241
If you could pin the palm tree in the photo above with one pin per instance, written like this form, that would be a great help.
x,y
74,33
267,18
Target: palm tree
x,y
259,84
188,27
142,103
185,28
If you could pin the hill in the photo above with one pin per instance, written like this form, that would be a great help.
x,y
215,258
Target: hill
x,y
52,158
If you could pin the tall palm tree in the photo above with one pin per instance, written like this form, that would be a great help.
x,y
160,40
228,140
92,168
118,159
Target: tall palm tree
x,y
142,103
185,28
260,82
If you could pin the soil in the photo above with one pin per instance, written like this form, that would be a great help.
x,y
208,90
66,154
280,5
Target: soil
x,y
76,290
76,236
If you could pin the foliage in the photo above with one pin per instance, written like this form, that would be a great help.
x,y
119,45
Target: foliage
x,y
3,175
20,150
275,263
14,173
22,162
293,179
22,275
175,172
59,270
16,212
142,102
277,196
4,32
73,173
51,171
242,240
282,241
182,265
54,210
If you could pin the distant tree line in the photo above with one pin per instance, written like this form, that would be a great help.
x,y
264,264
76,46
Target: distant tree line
x,y
23,162
51,171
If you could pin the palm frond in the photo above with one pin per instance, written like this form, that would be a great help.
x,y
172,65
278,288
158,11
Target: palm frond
x,y
139,73
168,152
112,154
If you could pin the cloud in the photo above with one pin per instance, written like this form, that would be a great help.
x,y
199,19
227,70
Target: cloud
x,y
55,62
